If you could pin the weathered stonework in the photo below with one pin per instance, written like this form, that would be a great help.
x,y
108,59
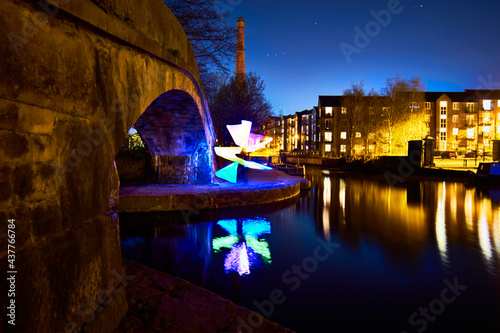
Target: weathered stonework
x,y
74,79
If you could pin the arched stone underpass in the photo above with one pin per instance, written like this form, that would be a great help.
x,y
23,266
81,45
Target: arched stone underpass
x,y
75,78
172,130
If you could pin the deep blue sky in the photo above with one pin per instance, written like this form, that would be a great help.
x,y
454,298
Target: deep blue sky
x,y
294,45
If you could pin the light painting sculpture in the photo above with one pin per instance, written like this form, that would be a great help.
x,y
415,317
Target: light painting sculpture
x,y
245,140
247,247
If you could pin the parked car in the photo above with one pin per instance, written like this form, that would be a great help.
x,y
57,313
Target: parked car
x,y
472,153
449,154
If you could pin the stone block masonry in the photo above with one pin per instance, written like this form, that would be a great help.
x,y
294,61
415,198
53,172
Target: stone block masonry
x,y
74,79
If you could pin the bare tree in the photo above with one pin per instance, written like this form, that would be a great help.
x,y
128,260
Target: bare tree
x,y
206,27
354,105
400,120
238,100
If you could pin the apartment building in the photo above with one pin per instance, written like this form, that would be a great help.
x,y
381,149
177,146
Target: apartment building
x,y
466,120
458,121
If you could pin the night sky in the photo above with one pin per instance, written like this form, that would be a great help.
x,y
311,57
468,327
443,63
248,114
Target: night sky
x,y
295,45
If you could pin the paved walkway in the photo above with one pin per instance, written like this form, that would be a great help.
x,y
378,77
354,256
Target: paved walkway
x,y
159,302
460,163
262,187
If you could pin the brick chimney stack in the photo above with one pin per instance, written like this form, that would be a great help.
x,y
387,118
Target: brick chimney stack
x,y
240,49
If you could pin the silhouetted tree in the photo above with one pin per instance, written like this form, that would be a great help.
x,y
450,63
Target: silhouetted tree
x,y
238,100
213,40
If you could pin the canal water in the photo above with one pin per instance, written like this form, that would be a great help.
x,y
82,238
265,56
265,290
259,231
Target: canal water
x,y
353,254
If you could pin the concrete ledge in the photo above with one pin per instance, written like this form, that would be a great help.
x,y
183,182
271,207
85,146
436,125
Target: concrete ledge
x,y
262,187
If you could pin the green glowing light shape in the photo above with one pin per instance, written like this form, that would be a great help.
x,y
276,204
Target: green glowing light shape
x,y
261,247
229,173
224,242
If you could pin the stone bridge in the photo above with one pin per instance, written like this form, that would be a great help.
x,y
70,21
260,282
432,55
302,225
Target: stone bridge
x,y
75,75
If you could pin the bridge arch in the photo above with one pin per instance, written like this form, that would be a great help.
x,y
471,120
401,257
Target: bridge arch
x,y
75,78
172,129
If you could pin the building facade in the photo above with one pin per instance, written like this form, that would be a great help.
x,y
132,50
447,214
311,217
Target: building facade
x,y
465,121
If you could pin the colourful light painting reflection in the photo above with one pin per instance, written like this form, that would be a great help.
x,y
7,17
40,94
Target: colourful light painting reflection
x,y
247,246
245,140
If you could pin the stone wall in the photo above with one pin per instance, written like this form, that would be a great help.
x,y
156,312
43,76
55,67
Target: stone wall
x,y
74,79
132,166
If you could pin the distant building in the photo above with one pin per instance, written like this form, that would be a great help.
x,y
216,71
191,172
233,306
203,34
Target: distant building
x,y
463,121
466,120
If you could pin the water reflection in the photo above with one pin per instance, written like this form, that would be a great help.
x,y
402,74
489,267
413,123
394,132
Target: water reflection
x,y
397,246
327,197
441,223
407,217
247,247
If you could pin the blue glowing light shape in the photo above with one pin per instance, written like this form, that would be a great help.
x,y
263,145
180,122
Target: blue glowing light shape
x,y
247,248
245,140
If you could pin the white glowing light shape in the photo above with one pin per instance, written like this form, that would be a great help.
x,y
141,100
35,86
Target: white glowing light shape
x,y
245,140
240,133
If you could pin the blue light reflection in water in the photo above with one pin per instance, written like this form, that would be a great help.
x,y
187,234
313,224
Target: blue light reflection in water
x,y
398,244
247,247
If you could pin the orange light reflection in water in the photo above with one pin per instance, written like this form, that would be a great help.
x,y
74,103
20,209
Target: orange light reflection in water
x,y
406,217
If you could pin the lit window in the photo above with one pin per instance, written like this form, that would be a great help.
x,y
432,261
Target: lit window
x,y
344,110
443,123
470,133
486,129
455,118
428,105
358,135
470,107
499,103
486,117
328,148
470,120
455,131
487,104
371,148
486,142
444,107
428,118
498,129
499,117
328,111
343,148
456,106
371,135
343,135
328,136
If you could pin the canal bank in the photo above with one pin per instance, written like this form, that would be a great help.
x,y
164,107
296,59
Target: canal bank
x,y
261,187
395,167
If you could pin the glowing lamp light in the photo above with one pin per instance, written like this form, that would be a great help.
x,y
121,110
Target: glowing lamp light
x,y
245,140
